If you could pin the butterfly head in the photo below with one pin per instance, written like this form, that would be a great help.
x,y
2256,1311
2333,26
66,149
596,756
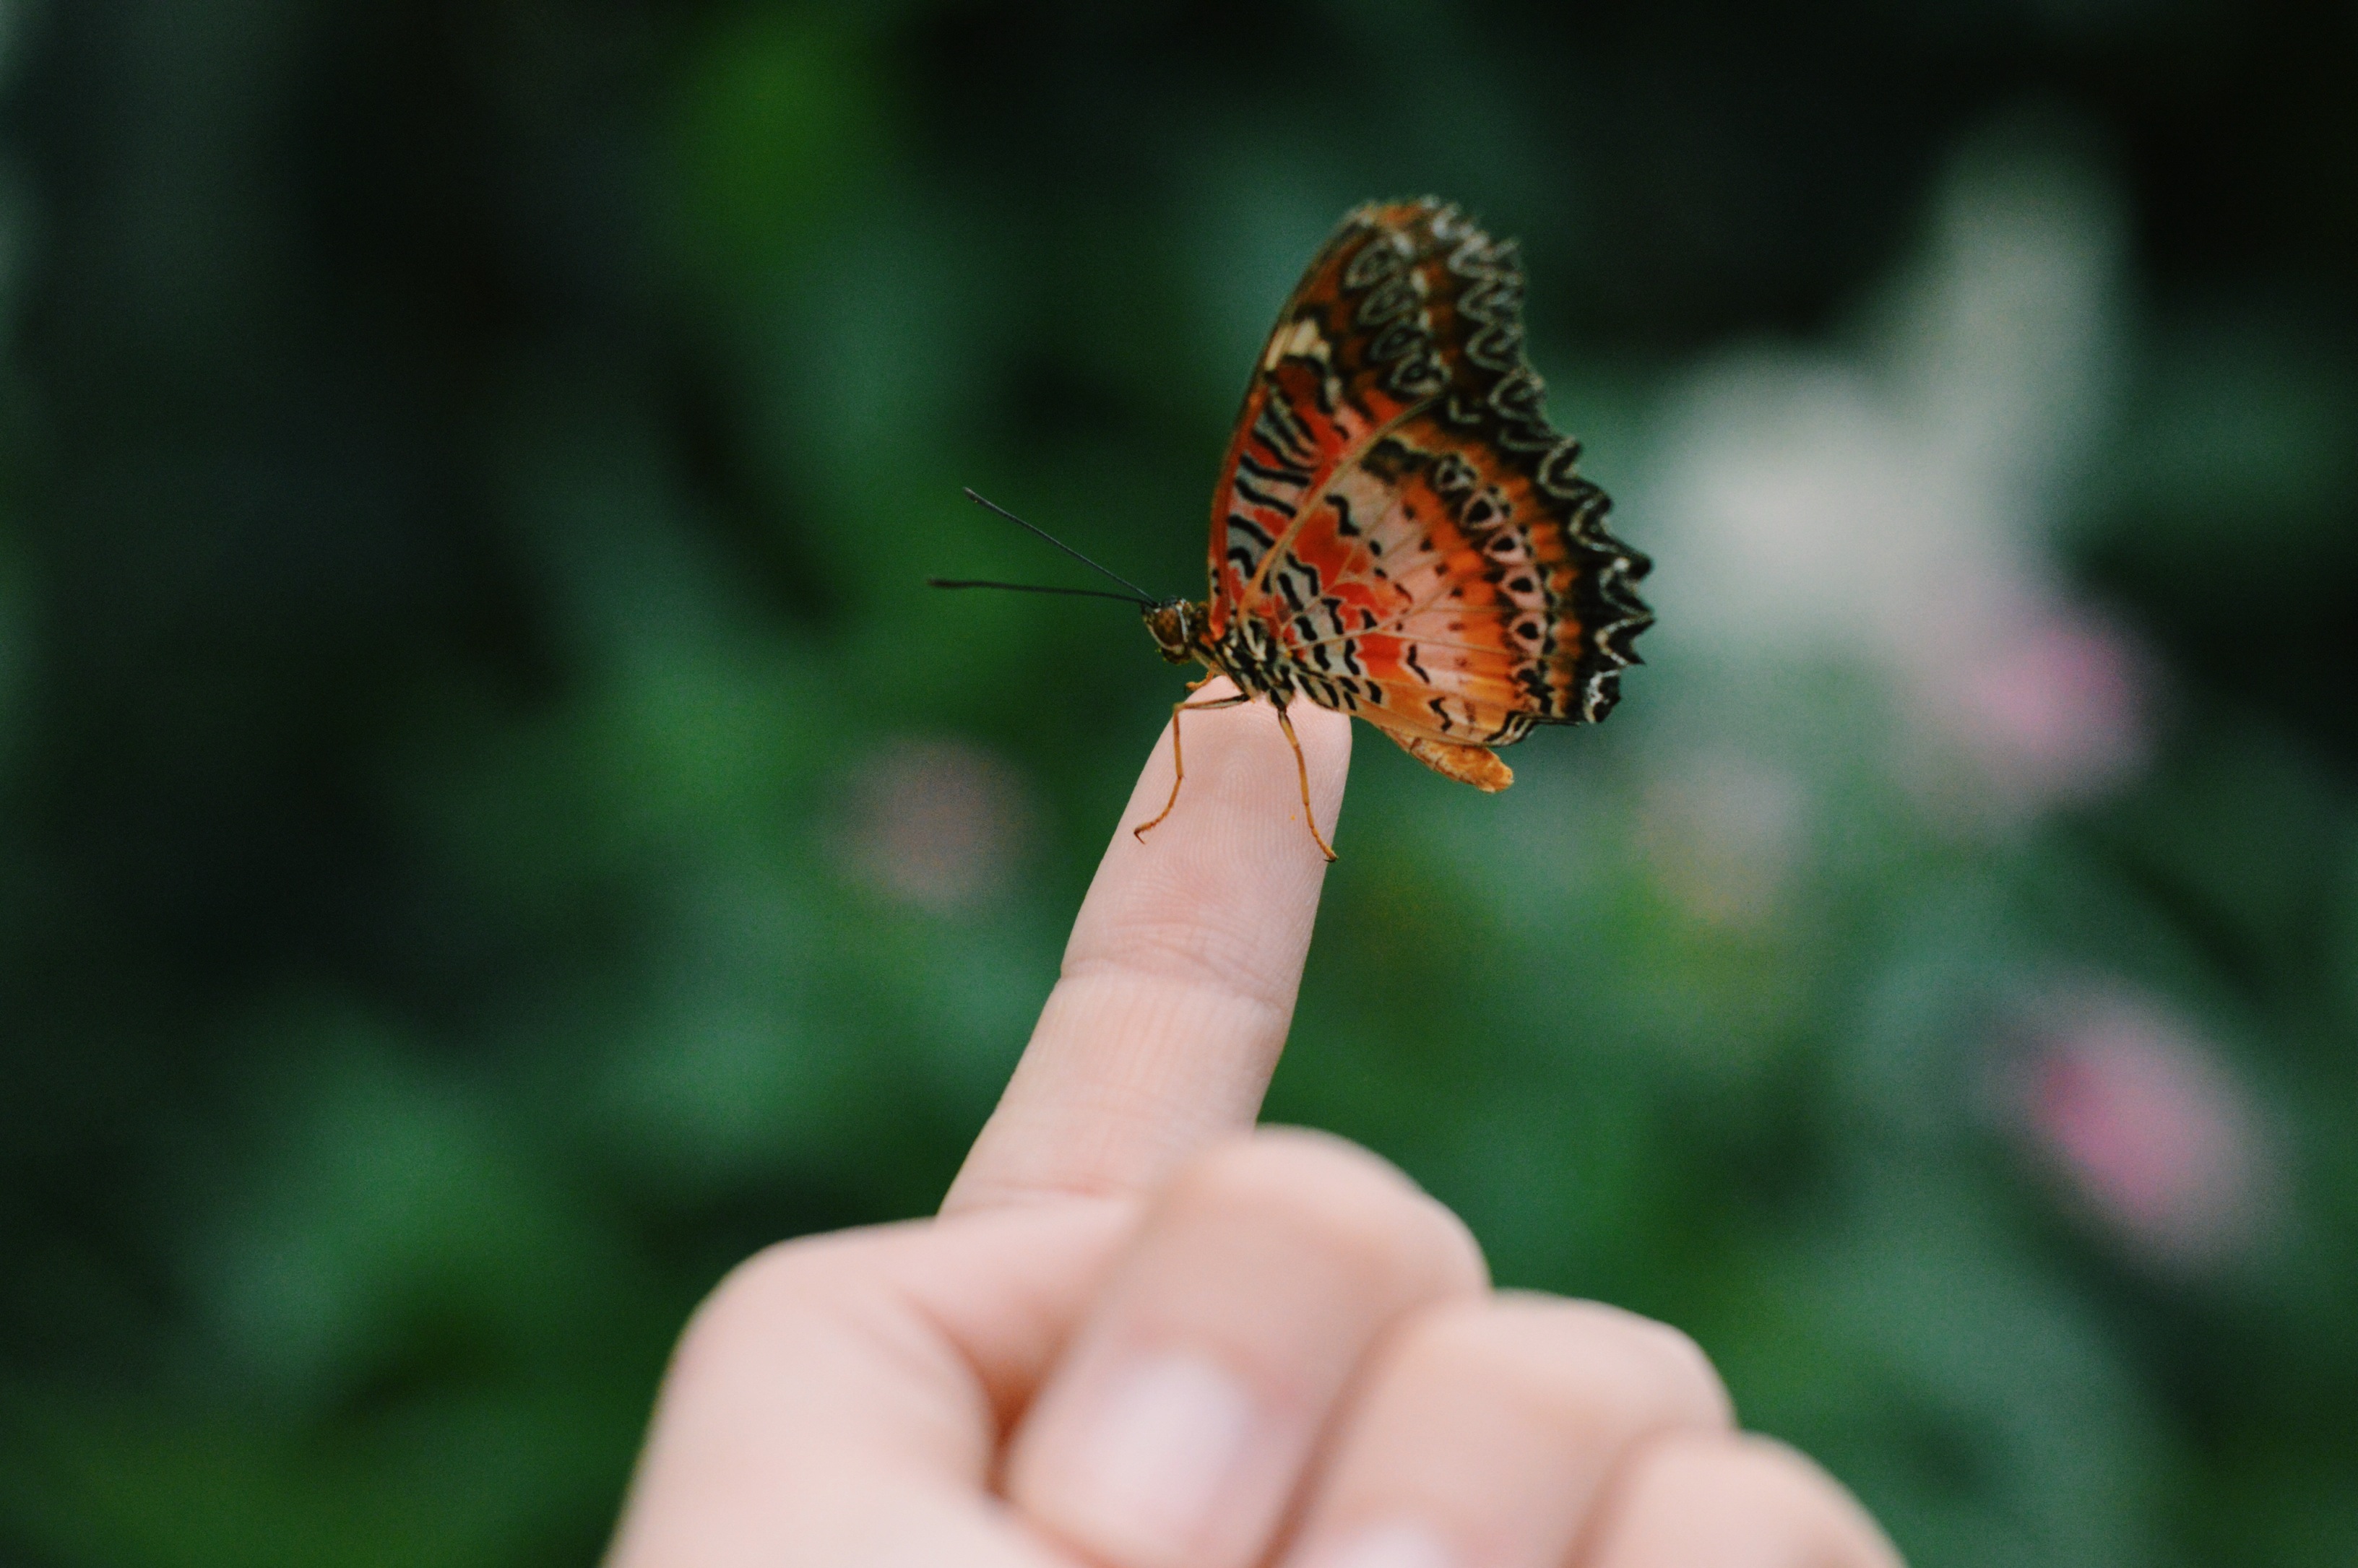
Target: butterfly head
x,y
1178,629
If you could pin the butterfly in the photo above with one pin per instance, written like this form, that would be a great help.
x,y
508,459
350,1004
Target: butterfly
x,y
1397,533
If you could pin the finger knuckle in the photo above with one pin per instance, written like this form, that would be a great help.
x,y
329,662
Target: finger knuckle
x,y
1338,1199
761,1297
1746,1464
749,1296
1577,1364
1730,1468
1778,1491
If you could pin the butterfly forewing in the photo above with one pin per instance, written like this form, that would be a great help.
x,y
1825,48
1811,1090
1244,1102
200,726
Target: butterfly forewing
x,y
1396,508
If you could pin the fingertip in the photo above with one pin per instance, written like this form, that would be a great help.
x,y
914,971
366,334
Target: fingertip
x,y
1178,984
1241,801
1222,892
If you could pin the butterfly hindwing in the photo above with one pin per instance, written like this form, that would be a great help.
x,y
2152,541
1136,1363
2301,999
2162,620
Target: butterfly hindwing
x,y
1445,596
1396,508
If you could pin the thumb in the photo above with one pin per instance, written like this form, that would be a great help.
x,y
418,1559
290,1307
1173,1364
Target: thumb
x,y
840,1400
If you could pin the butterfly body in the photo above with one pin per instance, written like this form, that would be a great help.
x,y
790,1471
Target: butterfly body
x,y
1397,533
1247,650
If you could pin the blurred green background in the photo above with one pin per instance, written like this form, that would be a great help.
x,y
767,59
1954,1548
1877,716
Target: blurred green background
x,y
493,830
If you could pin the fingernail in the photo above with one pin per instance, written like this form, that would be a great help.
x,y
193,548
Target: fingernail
x,y
1167,1440
1386,1546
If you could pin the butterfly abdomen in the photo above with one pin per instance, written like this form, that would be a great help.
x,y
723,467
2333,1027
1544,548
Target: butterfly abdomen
x,y
1247,652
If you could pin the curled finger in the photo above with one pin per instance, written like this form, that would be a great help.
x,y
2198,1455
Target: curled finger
x,y
1177,1430
1734,1501
1485,1436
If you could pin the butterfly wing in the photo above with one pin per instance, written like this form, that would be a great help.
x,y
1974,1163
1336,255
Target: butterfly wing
x,y
1396,509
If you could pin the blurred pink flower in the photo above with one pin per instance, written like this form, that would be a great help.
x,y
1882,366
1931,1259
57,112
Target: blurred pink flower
x,y
2150,1129
2048,702
1896,508
936,823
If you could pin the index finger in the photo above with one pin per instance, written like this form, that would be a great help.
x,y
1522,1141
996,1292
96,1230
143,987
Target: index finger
x,y
1178,983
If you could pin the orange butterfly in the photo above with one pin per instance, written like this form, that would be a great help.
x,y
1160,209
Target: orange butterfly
x,y
1397,533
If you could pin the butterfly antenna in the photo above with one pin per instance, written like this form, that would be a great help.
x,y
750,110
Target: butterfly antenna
x,y
1036,587
1143,595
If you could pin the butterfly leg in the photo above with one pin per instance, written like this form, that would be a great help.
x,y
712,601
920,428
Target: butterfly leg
x,y
1178,761
1301,768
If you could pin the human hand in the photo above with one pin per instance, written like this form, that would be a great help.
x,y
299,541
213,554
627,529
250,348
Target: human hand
x,y
1142,1335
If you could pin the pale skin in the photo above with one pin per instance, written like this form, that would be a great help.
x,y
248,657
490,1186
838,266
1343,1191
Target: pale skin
x,y
1144,1334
